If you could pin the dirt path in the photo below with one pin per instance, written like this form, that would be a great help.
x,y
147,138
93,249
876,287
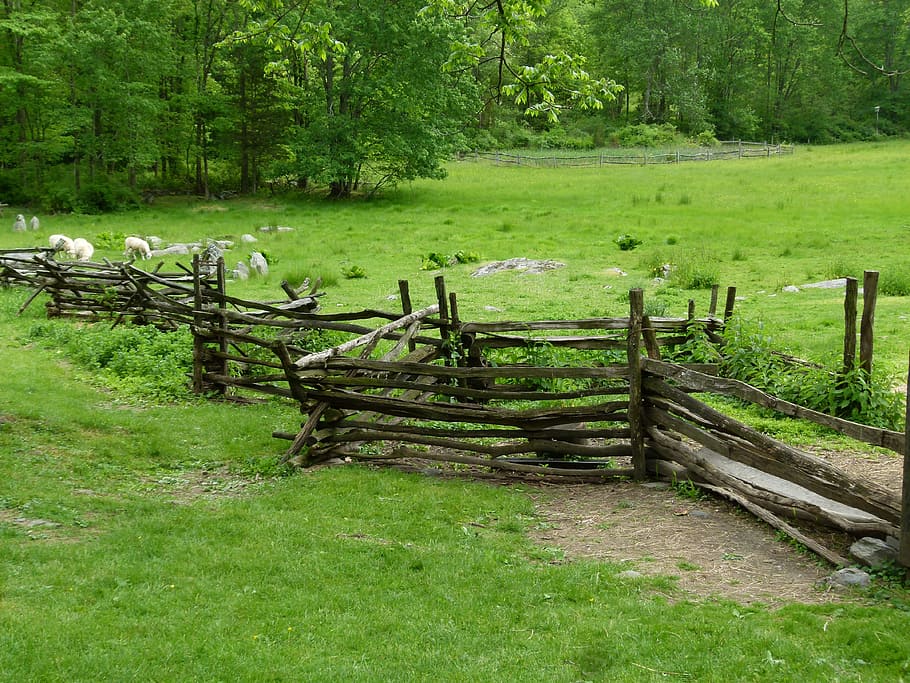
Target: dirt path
x,y
714,547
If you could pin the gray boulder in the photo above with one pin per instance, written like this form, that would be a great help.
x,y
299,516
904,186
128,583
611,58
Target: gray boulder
x,y
873,552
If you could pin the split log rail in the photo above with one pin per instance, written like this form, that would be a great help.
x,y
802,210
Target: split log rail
x,y
564,398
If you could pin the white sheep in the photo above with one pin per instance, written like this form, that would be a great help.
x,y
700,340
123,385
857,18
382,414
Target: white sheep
x,y
62,243
83,249
34,224
19,225
137,245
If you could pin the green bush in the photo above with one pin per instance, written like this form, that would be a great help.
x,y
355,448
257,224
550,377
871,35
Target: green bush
x,y
104,197
647,135
894,283
749,355
140,361
627,242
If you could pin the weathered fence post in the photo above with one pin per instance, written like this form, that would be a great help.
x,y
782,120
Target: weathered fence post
x,y
731,301
870,294
904,552
850,324
712,309
222,325
636,398
445,329
406,307
198,341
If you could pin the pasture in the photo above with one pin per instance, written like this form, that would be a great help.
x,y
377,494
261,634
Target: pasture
x,y
143,540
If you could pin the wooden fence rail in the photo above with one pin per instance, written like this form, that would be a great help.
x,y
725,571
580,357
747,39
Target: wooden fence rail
x,y
431,386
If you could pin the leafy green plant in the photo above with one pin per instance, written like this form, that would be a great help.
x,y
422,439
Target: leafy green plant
x,y
436,260
141,361
627,242
353,272
749,355
109,240
894,283
687,489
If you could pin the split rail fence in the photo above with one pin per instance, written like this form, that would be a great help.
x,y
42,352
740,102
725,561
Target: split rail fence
x,y
727,150
593,398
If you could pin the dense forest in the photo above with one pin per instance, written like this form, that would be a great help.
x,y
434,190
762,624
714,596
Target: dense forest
x,y
102,102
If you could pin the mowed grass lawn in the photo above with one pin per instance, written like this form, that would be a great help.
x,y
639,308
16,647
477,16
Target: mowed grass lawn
x,y
141,541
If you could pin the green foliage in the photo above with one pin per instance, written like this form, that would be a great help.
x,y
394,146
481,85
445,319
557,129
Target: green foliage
x,y
894,283
353,272
104,197
687,489
140,361
647,136
627,242
749,355
109,240
436,260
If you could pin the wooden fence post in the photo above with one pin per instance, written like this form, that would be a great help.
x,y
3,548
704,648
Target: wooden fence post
x,y
850,324
904,552
406,307
222,323
712,309
198,341
870,294
731,301
636,399
444,327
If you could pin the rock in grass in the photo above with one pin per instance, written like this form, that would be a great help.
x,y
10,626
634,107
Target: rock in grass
x,y
849,577
873,552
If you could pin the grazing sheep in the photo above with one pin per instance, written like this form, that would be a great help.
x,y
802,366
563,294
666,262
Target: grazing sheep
x,y
137,245
34,224
258,264
83,249
62,243
19,225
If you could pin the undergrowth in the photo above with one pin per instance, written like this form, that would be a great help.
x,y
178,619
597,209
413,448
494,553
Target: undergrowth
x,y
751,356
139,361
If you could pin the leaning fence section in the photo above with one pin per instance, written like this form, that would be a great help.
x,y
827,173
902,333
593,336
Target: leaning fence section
x,y
592,398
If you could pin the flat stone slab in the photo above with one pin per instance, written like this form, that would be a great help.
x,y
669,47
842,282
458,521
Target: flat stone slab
x,y
526,265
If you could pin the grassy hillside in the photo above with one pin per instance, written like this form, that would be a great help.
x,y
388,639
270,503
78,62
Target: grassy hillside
x,y
149,541
756,224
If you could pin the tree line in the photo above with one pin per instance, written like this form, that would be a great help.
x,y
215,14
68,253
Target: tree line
x,y
99,101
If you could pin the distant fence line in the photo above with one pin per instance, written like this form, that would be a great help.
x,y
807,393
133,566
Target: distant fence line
x,y
727,150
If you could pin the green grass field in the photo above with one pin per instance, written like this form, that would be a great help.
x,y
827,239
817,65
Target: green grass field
x,y
148,541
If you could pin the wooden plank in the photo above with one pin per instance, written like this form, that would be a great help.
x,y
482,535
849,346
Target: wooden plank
x,y
635,410
484,432
373,337
617,372
850,298
538,418
497,392
505,465
904,551
697,381
867,324
819,476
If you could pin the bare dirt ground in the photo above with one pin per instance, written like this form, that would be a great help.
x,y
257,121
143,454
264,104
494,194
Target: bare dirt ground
x,y
714,547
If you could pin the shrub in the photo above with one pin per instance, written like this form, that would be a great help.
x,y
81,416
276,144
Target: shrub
x,y
140,361
627,242
103,197
894,283
748,355
353,272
